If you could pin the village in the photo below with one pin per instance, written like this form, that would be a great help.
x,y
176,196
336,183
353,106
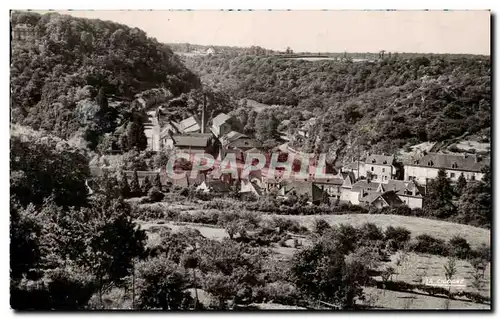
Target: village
x,y
378,181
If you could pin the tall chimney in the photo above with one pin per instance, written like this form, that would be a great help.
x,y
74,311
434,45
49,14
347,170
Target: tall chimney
x,y
203,114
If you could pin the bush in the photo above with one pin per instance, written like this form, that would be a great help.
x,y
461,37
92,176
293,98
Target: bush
x,y
459,247
369,232
429,245
281,292
155,195
320,225
399,235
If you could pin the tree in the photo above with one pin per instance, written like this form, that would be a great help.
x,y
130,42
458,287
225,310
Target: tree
x,y
450,270
155,195
161,159
135,188
41,167
146,185
439,196
157,182
115,240
266,126
461,184
25,232
136,138
192,261
475,205
160,285
321,273
124,186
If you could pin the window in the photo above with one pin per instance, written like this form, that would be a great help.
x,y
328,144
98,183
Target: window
x,y
383,170
473,177
374,176
372,168
385,177
452,175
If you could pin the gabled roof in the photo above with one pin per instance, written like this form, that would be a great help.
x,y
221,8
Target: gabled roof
x,y
380,159
390,198
328,180
365,185
245,142
369,197
192,139
307,188
399,187
232,136
172,127
191,124
247,186
464,162
354,165
220,119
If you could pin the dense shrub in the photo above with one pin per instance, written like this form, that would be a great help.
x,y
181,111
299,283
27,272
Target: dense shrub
x,y
399,235
459,247
429,245
155,195
369,233
320,226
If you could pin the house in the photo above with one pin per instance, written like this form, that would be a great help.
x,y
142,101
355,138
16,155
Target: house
x,y
190,125
380,168
409,192
357,168
332,186
168,130
314,193
358,190
250,189
210,51
193,143
364,191
214,186
221,125
387,199
239,144
426,167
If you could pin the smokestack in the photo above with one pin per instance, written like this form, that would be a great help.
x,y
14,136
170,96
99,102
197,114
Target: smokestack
x,y
203,114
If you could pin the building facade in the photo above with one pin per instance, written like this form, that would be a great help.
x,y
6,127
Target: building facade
x,y
426,168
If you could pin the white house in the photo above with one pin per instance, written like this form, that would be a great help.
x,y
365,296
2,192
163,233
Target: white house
x,y
426,167
380,168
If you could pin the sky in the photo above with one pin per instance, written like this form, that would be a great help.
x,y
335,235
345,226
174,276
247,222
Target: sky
x,y
316,31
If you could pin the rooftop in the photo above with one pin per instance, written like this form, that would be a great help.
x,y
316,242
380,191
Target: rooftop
x,y
220,119
465,162
380,159
192,139
191,124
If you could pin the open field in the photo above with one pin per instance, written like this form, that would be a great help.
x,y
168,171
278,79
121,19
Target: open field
x,y
419,266
436,228
388,299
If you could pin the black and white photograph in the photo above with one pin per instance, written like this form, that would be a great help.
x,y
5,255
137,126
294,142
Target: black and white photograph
x,y
250,160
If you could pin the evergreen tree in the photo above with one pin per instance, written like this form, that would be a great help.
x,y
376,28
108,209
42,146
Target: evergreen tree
x,y
439,197
135,135
157,181
461,184
475,205
146,185
135,188
124,186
